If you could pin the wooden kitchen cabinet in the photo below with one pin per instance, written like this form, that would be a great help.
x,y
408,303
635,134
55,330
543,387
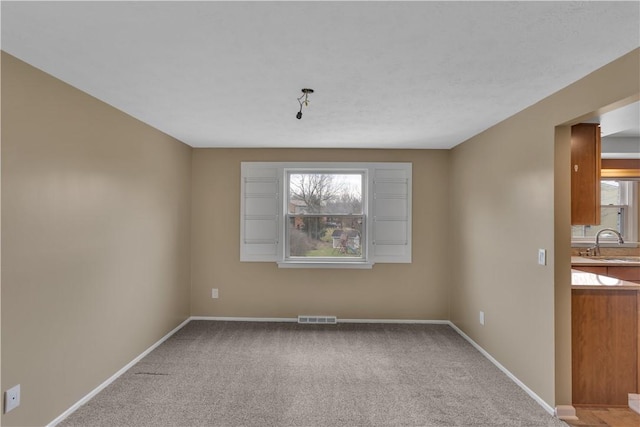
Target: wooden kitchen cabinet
x,y
620,168
604,339
585,174
591,269
631,274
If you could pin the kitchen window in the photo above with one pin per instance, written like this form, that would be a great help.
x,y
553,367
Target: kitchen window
x,y
618,210
325,215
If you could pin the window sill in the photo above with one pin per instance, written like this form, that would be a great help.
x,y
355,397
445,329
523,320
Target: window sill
x,y
362,265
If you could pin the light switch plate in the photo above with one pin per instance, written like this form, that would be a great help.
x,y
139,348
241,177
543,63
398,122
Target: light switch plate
x,y
542,257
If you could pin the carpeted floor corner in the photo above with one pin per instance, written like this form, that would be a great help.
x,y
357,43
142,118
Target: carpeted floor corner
x,y
285,374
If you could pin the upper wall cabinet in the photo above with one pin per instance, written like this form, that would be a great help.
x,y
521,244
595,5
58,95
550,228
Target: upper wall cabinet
x,y
627,169
585,174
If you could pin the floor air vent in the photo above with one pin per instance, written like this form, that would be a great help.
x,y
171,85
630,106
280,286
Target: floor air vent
x,y
318,320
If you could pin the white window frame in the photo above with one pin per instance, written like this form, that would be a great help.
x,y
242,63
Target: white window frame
x,y
387,196
629,204
365,211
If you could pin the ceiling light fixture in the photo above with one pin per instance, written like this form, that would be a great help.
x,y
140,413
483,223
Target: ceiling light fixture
x,y
303,100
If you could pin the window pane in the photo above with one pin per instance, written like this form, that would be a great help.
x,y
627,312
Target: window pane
x,y
325,193
610,193
610,217
612,212
326,236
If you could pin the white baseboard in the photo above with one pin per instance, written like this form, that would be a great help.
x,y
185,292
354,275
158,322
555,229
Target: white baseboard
x,y
295,319
403,321
634,402
566,413
530,392
247,319
113,377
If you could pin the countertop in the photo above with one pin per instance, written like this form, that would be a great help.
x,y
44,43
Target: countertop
x,y
608,261
584,280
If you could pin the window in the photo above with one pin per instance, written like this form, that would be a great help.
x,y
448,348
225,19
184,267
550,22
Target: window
x,y
619,208
339,215
325,215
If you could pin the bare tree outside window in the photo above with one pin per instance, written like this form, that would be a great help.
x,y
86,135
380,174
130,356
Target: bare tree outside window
x,y
327,192
325,214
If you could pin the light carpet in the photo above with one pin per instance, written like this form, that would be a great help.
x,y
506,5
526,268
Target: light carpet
x,y
213,373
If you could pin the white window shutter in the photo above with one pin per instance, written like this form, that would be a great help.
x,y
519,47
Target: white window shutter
x,y
392,213
260,212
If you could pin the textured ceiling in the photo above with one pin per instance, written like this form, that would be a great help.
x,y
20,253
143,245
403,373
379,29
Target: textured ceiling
x,y
385,74
623,122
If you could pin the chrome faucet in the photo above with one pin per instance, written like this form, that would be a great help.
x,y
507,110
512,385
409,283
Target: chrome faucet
x,y
597,246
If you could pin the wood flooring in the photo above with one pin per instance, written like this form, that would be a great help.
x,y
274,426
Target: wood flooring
x,y
611,417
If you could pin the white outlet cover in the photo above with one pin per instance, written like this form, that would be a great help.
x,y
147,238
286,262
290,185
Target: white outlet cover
x,y
12,398
214,293
482,318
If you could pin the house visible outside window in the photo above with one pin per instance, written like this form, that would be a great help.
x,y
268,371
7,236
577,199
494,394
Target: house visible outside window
x,y
619,211
325,215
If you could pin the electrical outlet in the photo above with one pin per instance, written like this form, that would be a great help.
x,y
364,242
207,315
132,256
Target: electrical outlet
x,y
482,318
12,398
542,257
214,293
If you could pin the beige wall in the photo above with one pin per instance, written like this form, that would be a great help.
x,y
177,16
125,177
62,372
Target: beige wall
x,y
388,291
502,186
95,240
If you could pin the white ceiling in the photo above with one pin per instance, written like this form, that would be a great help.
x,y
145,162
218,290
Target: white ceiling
x,y
621,123
620,130
385,74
